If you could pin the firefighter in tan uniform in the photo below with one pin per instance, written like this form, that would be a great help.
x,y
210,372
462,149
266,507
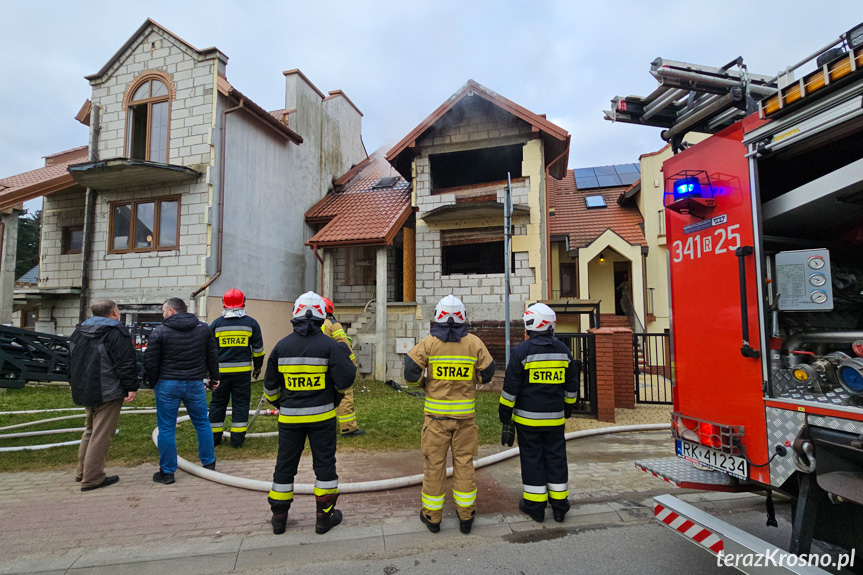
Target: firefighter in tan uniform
x,y
346,414
454,361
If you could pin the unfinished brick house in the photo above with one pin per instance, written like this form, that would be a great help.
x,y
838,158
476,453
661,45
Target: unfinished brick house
x,y
454,166
189,188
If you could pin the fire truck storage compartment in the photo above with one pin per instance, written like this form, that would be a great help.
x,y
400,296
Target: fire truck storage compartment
x,y
811,194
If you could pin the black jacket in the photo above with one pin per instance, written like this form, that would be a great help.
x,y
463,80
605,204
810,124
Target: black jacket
x,y
541,383
240,343
308,372
183,347
102,363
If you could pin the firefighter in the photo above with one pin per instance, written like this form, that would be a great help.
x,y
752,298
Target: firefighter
x,y
241,356
455,362
539,391
307,375
346,414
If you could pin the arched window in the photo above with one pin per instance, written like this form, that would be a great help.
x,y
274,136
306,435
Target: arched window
x,y
148,109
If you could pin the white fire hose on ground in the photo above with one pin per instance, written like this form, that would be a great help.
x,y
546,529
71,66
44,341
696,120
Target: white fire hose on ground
x,y
299,488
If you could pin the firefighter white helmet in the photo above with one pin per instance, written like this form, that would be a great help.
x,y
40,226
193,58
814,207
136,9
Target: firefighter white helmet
x,y
310,302
539,317
450,307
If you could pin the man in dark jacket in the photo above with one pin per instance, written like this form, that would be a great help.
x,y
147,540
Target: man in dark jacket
x,y
103,374
181,354
307,374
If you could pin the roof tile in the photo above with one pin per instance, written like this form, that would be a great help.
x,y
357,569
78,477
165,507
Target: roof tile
x,y
362,214
583,226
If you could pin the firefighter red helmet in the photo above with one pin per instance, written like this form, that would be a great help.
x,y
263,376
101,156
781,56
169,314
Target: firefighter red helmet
x,y
329,305
233,299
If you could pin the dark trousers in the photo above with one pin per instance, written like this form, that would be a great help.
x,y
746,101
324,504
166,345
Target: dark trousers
x,y
236,388
292,441
544,473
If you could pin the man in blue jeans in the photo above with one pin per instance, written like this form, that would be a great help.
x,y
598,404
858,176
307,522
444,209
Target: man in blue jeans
x,y
181,354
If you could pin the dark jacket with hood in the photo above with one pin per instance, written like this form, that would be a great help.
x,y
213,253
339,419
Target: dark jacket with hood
x,y
102,365
307,374
541,383
183,347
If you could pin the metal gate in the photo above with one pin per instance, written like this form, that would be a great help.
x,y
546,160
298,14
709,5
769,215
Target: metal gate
x,y
654,373
583,348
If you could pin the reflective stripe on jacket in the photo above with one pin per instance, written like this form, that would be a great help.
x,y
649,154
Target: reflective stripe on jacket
x,y
452,371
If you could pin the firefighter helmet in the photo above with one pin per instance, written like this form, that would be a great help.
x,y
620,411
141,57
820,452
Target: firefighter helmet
x,y
328,305
539,317
310,303
450,307
233,299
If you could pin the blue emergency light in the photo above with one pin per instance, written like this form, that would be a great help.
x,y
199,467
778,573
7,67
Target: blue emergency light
x,y
687,188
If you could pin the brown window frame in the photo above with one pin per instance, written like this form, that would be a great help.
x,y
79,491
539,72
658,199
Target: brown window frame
x,y
133,219
129,103
67,233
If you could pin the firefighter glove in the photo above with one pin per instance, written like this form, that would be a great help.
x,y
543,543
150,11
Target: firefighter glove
x,y
507,435
255,373
567,410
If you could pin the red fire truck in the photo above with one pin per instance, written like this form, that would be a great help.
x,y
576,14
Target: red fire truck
x,y
764,229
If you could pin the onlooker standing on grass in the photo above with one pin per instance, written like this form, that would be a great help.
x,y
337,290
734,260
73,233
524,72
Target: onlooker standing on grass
x,y
181,354
103,374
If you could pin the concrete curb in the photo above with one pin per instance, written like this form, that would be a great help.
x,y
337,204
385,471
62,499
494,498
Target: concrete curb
x,y
394,538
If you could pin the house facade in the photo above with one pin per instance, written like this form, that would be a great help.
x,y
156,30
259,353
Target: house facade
x,y
456,164
189,188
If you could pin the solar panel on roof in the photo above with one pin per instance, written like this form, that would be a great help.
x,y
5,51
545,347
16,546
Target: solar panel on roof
x,y
608,181
586,182
606,176
626,169
629,179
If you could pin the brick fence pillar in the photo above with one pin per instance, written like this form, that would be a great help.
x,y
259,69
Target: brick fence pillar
x,y
624,368
604,351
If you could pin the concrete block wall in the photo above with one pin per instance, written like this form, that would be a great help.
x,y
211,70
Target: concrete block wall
x,y
191,79
60,211
349,294
474,119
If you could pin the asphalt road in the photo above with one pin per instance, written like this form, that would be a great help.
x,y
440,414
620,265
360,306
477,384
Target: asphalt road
x,y
643,549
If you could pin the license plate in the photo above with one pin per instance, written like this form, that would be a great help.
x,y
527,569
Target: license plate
x,y
730,464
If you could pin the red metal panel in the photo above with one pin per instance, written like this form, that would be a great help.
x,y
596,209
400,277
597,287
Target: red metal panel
x,y
715,382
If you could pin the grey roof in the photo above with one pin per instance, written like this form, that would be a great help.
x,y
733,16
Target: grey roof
x,y
31,277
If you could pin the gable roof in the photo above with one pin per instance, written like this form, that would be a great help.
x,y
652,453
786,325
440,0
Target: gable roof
x,y
148,23
362,214
49,179
556,138
583,226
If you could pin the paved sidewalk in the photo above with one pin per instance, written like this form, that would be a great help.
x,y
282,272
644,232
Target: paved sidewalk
x,y
50,526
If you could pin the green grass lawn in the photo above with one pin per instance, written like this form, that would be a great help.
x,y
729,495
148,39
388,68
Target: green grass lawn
x,y
392,421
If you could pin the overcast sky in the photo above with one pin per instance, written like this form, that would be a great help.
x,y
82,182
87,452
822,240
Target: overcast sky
x,y
400,60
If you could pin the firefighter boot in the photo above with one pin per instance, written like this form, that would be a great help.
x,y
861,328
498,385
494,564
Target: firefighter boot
x,y
279,522
327,521
433,527
536,515
217,438
237,438
465,525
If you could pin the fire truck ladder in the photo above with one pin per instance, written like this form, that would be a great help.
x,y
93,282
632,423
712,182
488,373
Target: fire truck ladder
x,y
693,98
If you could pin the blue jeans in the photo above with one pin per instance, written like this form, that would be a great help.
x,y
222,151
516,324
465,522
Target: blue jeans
x,y
169,393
